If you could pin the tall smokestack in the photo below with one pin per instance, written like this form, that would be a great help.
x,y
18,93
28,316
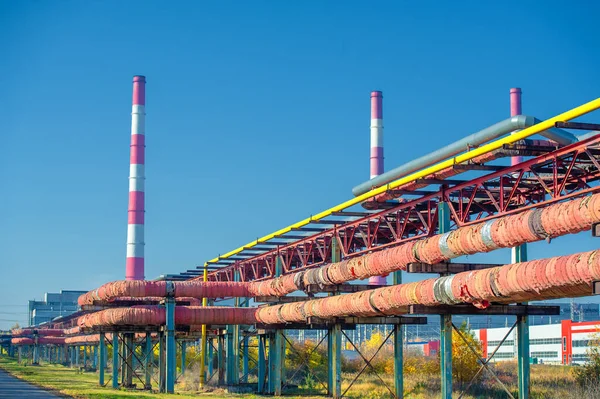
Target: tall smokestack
x,y
376,150
376,133
134,269
515,109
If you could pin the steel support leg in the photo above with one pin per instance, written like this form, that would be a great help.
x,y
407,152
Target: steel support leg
x,y
203,340
19,354
262,362
84,356
520,255
275,360
398,349
335,361
115,360
161,362
232,367
77,350
445,320
128,359
36,353
183,350
95,357
221,358
171,348
73,360
245,362
102,350
148,356
211,357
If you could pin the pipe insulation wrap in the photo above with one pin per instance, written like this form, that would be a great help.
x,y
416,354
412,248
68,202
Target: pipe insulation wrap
x,y
558,219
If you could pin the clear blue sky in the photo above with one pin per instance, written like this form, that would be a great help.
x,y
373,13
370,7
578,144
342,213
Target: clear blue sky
x,y
257,116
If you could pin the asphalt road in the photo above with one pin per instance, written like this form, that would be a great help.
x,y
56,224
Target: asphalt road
x,y
12,387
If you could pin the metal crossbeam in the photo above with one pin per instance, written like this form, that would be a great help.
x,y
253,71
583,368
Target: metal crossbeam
x,y
447,267
513,310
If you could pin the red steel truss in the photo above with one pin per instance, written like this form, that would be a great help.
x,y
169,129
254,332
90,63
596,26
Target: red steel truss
x,y
554,176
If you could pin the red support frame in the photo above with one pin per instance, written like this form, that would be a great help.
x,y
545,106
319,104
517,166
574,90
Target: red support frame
x,y
568,172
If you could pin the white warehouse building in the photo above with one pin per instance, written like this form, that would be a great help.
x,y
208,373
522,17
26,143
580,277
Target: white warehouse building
x,y
564,343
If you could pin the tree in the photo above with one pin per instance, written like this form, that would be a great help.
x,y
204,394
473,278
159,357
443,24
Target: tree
x,y
465,363
15,326
589,373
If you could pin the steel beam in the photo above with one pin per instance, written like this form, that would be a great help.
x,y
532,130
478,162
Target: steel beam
x,y
262,363
102,364
445,319
334,343
398,349
171,348
115,359
520,255
183,345
148,357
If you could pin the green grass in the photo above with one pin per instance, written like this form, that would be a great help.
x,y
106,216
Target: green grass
x,y
70,383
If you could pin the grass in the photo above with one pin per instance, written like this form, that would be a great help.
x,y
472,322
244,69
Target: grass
x,y
546,382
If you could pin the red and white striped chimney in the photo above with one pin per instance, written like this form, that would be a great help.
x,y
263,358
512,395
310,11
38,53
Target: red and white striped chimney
x,y
134,269
376,150
376,133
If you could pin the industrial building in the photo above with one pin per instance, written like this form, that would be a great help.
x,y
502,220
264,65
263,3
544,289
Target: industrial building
x,y
55,304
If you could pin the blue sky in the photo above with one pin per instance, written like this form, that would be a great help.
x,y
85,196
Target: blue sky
x,y
257,116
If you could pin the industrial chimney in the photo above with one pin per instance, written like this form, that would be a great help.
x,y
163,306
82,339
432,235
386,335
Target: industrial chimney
x,y
376,150
134,269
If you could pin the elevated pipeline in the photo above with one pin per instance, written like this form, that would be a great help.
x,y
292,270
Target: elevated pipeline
x,y
40,332
49,340
532,225
559,277
476,139
156,316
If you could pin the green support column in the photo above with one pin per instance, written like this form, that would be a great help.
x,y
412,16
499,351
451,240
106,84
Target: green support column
x,y
262,362
334,343
95,357
115,361
102,345
72,355
148,355
233,339
445,320
221,357
276,354
129,348
183,350
171,348
77,350
161,362
210,352
398,348
520,255
84,356
245,360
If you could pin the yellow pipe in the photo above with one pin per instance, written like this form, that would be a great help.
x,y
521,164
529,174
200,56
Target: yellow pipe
x,y
535,129
203,343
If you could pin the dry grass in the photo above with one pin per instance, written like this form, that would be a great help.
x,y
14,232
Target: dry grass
x,y
547,382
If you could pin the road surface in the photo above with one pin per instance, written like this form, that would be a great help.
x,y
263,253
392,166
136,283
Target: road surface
x,y
12,387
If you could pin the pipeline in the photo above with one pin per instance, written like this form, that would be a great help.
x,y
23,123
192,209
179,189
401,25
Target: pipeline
x,y
186,290
156,316
452,171
559,277
49,340
41,332
555,220
483,136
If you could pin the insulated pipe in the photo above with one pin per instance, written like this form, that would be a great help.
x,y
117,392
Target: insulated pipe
x,y
492,132
134,269
376,150
559,277
532,225
452,171
156,316
41,332
41,341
